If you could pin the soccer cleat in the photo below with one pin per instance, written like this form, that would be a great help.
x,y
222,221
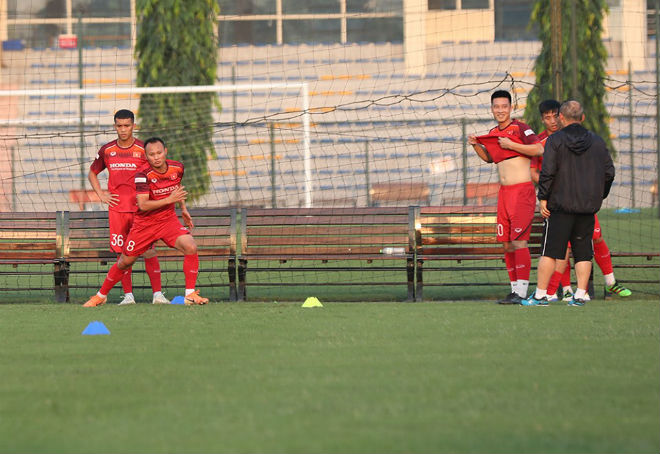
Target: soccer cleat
x,y
568,297
577,302
618,289
160,299
533,301
552,298
95,301
194,299
511,298
128,299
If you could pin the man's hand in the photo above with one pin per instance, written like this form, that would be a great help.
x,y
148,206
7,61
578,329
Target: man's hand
x,y
187,219
178,195
472,140
109,198
505,143
544,208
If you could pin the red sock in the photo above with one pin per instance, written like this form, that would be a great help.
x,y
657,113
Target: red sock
x,y
113,276
603,257
510,261
566,277
126,281
152,267
554,282
523,263
190,268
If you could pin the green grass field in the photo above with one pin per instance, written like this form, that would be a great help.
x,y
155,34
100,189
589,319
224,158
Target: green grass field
x,y
359,378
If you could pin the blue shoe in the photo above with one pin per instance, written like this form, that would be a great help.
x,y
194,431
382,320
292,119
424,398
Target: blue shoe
x,y
577,302
532,301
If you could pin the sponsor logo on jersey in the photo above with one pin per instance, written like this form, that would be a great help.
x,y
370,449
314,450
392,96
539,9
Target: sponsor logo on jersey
x,y
165,190
123,165
154,180
112,153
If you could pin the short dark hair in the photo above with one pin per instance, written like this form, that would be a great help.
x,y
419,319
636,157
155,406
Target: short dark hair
x,y
124,114
500,94
151,140
549,105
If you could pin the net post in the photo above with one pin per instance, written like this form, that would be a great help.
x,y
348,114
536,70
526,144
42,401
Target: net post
x,y
306,145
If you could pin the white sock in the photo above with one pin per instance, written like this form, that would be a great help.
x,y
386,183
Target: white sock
x,y
158,293
522,286
580,294
130,294
189,291
101,295
568,289
609,279
540,293
514,287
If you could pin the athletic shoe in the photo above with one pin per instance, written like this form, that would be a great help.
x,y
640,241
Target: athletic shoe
x,y
568,297
511,298
160,299
533,301
618,289
128,299
194,299
95,301
553,298
577,302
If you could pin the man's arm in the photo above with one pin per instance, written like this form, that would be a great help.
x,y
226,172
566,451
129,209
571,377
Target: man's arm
x,y
104,196
187,219
534,149
480,149
144,203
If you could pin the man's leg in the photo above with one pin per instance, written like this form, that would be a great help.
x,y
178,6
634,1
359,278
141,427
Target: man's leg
x,y
581,244
603,258
186,244
115,274
523,267
152,267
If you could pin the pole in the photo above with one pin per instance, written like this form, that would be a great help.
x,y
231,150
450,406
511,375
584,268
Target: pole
x,y
272,166
464,156
555,48
632,140
574,59
81,103
657,92
235,133
306,145
366,172
13,178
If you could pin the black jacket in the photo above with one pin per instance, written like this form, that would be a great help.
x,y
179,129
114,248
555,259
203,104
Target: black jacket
x,y
577,171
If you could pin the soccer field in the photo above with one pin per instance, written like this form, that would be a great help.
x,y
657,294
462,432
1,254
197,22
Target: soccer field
x,y
348,377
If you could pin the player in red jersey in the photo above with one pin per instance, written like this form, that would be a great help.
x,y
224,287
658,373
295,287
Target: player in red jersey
x,y
158,186
122,157
510,145
549,110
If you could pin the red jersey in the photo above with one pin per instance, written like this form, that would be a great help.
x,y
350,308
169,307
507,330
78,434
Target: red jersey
x,y
158,186
537,161
515,129
122,163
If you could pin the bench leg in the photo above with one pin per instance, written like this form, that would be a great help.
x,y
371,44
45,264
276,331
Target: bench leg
x,y
61,275
242,271
410,271
231,270
419,290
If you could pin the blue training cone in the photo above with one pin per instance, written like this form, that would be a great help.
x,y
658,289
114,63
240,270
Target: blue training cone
x,y
95,328
178,300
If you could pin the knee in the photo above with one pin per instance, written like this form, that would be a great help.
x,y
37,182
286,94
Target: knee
x,y
190,248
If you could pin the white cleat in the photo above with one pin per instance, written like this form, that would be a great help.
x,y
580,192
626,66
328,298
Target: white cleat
x,y
128,299
159,298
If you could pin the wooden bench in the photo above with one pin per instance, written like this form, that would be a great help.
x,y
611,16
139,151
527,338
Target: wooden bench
x,y
28,240
458,234
482,192
395,193
86,241
323,240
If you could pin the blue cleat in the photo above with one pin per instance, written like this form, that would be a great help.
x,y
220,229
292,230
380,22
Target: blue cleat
x,y
577,302
532,301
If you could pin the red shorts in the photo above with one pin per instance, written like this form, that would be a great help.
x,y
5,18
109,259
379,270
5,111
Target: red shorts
x,y
144,234
515,211
120,225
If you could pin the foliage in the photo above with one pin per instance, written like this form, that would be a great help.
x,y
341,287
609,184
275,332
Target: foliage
x,y
177,46
591,60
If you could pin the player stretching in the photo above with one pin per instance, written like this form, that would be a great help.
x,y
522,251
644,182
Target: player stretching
x,y
549,110
122,157
158,186
510,145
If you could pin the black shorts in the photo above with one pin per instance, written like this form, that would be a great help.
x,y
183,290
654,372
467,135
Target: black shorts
x,y
560,228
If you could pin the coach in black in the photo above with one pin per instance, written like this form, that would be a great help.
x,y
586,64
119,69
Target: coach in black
x,y
576,176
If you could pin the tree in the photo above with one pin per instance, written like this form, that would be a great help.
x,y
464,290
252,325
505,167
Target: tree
x,y
590,64
177,46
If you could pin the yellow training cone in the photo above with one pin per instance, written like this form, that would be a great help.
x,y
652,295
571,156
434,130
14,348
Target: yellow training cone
x,y
312,301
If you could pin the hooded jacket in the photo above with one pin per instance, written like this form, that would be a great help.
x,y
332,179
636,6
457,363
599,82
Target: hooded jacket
x,y
577,171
